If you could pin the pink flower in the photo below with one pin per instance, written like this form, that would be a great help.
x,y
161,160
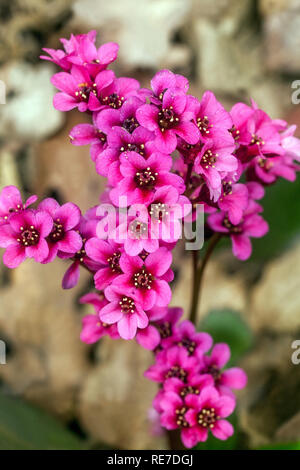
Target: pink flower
x,y
213,365
11,203
171,119
195,385
173,362
78,89
233,200
251,225
62,237
167,210
255,132
291,144
81,50
122,142
124,310
87,229
124,117
92,327
149,337
107,254
210,116
114,94
135,235
140,178
24,237
268,170
145,279
164,80
186,336
215,160
166,325
206,413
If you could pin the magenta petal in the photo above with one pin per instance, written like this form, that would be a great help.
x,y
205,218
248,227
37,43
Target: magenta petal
x,y
13,256
189,132
234,378
127,326
189,437
111,313
69,214
159,262
241,246
7,236
148,338
71,276
98,250
71,243
220,354
104,278
222,429
64,102
163,292
147,116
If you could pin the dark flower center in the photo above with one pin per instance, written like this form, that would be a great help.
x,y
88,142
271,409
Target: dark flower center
x,y
84,91
209,159
203,125
265,164
214,371
164,329
138,148
130,124
29,236
101,136
57,233
143,279
146,178
81,253
113,100
143,254
235,133
176,371
127,305
189,390
190,152
227,188
232,228
114,261
167,118
180,417
188,344
207,417
256,140
159,211
138,229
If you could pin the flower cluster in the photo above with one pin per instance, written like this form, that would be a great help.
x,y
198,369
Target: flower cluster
x,y
163,152
196,393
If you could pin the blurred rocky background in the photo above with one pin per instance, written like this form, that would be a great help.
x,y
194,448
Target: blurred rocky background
x,y
238,49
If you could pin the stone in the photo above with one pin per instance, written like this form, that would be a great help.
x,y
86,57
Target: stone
x,y
269,405
28,113
115,397
274,303
47,361
145,36
281,28
219,290
67,170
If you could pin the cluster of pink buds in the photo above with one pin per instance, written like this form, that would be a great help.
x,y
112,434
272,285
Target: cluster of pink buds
x,y
163,152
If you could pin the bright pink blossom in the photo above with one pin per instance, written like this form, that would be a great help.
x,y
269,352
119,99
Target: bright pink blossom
x,y
11,203
125,310
171,119
25,237
63,236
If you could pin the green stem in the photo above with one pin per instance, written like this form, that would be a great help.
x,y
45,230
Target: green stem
x,y
198,272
